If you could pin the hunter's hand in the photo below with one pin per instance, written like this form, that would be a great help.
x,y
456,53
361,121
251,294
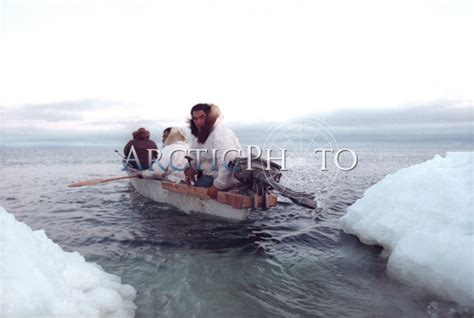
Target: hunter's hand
x,y
212,192
189,173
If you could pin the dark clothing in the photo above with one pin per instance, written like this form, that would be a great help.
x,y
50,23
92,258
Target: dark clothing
x,y
141,143
204,182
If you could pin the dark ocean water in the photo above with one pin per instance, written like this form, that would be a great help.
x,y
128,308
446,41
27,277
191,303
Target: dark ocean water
x,y
286,262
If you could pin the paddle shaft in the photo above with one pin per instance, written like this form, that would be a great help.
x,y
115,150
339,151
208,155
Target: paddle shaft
x,y
117,178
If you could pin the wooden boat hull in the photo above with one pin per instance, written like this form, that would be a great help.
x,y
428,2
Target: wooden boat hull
x,y
154,190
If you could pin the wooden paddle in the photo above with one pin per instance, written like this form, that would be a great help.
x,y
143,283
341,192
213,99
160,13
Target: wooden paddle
x,y
97,181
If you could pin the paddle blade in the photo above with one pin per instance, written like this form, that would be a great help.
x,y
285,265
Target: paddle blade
x,y
97,181
84,183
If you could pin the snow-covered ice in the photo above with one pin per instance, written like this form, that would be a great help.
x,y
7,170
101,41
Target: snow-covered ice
x,y
39,279
423,216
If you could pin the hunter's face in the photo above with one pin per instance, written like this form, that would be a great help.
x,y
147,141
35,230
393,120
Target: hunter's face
x,y
199,118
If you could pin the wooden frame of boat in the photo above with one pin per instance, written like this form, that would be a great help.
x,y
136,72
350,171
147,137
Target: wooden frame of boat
x,y
229,204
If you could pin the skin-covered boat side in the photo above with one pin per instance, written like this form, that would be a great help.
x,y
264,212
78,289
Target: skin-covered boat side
x,y
153,190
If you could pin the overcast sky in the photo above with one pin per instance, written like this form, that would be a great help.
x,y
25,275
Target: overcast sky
x,y
77,123
87,66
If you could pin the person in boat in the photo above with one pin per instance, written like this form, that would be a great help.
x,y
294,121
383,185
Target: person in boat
x,y
142,146
172,162
210,135
166,133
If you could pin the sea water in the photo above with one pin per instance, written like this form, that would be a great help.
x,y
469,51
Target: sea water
x,y
285,262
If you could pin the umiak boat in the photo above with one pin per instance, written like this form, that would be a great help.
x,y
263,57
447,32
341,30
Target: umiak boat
x,y
258,191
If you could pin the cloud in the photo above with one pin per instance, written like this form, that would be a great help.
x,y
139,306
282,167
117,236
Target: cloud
x,y
436,121
440,120
47,136
58,111
439,112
